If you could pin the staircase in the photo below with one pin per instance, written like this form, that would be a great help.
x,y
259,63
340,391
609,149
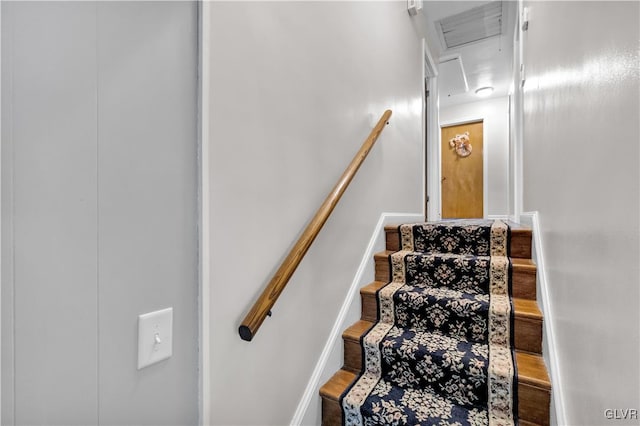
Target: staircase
x,y
533,385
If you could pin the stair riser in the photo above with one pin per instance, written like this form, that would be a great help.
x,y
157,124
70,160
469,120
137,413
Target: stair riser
x,y
524,279
524,283
533,404
369,307
528,335
331,412
520,242
353,355
527,331
531,407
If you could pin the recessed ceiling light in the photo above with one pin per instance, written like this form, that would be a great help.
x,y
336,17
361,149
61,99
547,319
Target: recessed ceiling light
x,y
483,92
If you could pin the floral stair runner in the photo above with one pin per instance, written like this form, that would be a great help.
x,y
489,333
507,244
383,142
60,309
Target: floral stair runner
x,y
441,352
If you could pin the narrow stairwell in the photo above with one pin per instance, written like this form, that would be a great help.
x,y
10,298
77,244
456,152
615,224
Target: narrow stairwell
x,y
531,394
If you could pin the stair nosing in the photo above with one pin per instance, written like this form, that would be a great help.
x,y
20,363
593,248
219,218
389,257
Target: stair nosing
x,y
517,302
515,227
518,312
348,334
366,289
520,262
325,394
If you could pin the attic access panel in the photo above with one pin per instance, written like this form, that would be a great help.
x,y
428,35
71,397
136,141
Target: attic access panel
x,y
473,25
452,79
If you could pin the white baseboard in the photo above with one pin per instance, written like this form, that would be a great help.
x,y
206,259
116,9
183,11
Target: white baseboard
x,y
550,353
364,272
498,216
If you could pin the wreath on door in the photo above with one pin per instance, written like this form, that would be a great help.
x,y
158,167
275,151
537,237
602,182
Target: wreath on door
x,y
462,144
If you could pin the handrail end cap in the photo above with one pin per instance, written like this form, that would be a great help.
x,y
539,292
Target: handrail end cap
x,y
245,333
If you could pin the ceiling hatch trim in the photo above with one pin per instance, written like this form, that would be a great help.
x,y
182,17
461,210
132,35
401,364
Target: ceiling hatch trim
x,y
454,79
473,25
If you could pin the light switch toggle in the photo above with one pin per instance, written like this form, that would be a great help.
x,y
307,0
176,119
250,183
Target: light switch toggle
x,y
155,333
156,341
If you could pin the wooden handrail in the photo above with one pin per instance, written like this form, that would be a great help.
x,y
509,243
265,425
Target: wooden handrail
x,y
262,307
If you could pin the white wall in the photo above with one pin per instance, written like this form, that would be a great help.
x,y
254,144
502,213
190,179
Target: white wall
x,y
581,162
295,89
99,168
495,113
516,117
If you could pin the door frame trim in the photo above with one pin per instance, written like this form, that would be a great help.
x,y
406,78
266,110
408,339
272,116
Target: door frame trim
x,y
485,171
1,222
430,135
516,137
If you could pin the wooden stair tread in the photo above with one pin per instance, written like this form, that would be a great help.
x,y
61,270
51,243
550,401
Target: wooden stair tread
x,y
531,368
373,287
356,330
383,254
526,423
519,261
525,308
531,412
532,371
521,238
336,385
515,227
524,274
523,263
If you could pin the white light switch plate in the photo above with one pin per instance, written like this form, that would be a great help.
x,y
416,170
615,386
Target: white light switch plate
x,y
155,337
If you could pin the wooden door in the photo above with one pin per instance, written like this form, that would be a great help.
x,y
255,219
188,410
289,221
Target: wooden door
x,y
462,176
